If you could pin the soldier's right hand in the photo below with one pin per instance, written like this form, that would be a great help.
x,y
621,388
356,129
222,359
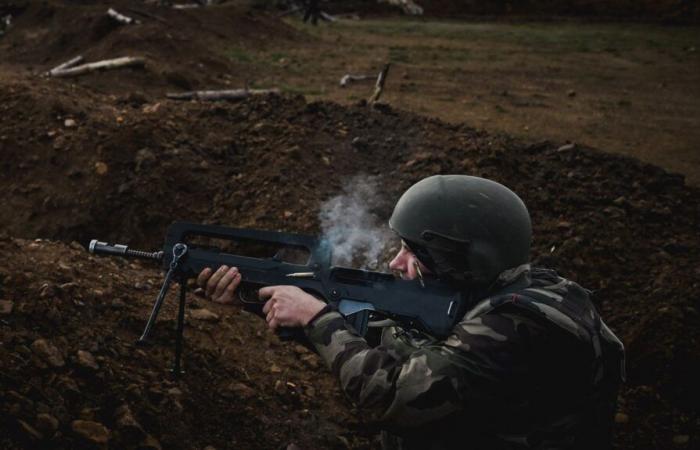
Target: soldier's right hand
x,y
220,285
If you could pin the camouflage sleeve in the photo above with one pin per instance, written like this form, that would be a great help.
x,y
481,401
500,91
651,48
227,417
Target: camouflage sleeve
x,y
401,389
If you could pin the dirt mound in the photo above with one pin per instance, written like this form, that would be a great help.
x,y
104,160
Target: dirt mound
x,y
86,165
73,377
184,49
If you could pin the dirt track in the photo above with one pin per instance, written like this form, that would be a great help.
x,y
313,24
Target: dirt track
x,y
106,156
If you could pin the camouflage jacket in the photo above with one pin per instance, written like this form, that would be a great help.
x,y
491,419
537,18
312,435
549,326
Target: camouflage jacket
x,y
530,366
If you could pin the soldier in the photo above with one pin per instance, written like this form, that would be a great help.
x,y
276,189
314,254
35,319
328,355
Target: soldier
x,y
531,364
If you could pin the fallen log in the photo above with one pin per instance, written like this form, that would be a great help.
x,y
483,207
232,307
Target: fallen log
x,y
347,78
379,87
107,64
225,94
121,18
66,65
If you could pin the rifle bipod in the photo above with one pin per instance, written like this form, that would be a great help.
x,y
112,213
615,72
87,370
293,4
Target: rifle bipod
x,y
179,250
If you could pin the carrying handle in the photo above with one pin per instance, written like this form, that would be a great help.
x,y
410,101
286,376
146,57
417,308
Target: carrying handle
x,y
319,252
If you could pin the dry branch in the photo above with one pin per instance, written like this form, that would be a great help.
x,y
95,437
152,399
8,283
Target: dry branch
x,y
226,94
66,65
121,18
379,87
347,78
100,65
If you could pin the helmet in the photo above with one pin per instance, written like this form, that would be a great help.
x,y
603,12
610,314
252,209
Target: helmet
x,y
465,229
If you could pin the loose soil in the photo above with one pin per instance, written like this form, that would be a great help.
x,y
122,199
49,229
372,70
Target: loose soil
x,y
106,156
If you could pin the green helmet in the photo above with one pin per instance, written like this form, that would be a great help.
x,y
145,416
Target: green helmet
x,y
464,229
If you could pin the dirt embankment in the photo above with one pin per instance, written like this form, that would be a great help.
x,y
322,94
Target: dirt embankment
x,y
184,49
80,163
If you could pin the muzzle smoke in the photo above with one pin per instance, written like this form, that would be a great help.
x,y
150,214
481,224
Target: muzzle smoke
x,y
351,226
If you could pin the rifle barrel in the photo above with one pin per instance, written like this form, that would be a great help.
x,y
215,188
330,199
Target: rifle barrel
x,y
103,248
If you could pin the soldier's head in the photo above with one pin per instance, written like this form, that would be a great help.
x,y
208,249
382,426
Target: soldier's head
x,y
466,230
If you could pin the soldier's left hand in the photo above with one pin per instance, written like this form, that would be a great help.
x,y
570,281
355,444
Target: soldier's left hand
x,y
289,306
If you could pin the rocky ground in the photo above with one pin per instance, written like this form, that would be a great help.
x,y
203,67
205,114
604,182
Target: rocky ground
x,y
106,156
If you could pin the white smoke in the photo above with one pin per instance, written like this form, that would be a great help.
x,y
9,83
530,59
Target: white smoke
x,y
348,221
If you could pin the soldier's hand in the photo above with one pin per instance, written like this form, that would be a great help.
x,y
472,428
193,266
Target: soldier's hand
x,y
220,285
289,306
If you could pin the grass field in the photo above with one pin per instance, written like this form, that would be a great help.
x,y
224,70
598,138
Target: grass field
x,y
621,87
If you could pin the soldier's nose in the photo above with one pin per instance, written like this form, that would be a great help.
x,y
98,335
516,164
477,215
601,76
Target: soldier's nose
x,y
395,264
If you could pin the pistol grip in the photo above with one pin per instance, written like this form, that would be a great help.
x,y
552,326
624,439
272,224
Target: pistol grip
x,y
288,334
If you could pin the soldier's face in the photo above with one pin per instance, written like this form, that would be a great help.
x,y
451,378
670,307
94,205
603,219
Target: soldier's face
x,y
405,263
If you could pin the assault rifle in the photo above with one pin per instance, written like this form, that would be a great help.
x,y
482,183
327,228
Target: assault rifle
x,y
360,295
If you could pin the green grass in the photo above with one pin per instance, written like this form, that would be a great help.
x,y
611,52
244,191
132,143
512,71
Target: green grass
x,y
242,55
544,37
539,37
